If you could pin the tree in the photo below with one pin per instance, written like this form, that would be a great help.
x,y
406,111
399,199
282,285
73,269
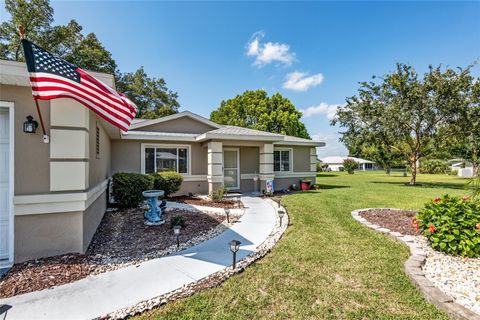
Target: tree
x,y
350,165
35,16
403,109
151,95
463,132
256,110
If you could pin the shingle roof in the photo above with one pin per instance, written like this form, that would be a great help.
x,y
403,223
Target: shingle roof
x,y
234,130
341,159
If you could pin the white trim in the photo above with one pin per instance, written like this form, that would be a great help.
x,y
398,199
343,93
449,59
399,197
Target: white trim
x,y
160,145
237,186
173,117
11,177
290,158
285,174
311,143
58,202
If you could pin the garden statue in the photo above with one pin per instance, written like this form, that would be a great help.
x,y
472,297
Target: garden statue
x,y
153,216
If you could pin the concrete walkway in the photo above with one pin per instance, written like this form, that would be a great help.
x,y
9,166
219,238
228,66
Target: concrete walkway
x,y
104,293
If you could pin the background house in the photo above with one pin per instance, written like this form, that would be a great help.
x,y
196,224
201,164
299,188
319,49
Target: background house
x,y
336,163
53,196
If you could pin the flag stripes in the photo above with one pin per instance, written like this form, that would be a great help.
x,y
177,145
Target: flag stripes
x,y
53,78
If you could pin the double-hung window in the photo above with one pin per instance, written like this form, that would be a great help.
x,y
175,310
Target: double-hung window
x,y
166,158
282,160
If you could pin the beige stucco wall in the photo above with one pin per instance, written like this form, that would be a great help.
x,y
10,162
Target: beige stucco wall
x,y
180,125
249,160
99,166
43,235
126,155
32,168
91,219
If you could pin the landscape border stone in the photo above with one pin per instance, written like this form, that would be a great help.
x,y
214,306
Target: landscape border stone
x,y
212,280
413,269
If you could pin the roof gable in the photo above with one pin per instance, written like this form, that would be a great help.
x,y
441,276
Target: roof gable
x,y
183,122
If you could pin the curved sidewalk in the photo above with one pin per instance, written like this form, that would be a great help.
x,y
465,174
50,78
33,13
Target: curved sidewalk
x,y
98,295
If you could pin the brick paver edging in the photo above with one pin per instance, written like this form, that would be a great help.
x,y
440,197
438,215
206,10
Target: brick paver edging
x,y
212,280
413,268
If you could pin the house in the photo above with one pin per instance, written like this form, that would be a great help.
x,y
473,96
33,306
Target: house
x,y
336,163
53,195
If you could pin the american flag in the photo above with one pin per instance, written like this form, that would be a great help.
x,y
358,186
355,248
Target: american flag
x,y
53,78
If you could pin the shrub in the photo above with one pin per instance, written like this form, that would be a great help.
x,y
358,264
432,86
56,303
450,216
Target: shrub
x,y
169,182
178,221
218,195
474,185
350,165
452,225
128,187
434,166
452,173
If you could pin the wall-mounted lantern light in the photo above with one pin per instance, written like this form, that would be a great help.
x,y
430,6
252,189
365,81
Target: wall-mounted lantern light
x,y
30,126
234,247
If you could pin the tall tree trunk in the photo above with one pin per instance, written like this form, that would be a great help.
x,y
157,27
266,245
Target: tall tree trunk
x,y
413,180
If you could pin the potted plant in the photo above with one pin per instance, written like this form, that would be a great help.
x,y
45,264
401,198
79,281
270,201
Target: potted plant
x,y
305,184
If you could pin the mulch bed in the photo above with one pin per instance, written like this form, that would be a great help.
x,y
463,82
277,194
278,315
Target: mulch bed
x,y
226,203
395,220
121,239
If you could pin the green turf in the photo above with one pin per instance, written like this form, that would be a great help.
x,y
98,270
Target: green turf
x,y
327,266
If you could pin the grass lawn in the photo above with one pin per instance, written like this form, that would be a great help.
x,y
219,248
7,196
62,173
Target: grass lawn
x,y
327,266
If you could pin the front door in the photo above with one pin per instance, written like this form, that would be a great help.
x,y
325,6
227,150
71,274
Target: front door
x,y
231,168
4,184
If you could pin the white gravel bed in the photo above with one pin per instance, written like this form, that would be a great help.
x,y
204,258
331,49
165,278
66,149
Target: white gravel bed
x,y
457,277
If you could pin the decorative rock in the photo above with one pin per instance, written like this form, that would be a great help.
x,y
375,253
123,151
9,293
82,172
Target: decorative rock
x,y
450,283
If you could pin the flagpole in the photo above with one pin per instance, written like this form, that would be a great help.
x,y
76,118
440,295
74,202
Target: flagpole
x,y
46,138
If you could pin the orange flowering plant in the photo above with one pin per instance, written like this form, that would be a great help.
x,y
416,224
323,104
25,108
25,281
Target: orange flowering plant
x,y
452,225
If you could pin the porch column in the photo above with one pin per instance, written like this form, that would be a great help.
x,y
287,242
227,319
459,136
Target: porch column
x,y
215,166
266,164
69,145
313,159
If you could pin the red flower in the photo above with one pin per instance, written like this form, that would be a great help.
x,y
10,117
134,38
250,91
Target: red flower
x,y
477,226
436,200
466,198
431,228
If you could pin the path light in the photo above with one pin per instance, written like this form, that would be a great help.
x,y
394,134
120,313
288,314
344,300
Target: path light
x,y
176,231
227,212
234,246
281,213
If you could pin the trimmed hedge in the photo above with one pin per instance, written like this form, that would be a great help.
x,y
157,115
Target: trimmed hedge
x,y
128,188
169,182
452,225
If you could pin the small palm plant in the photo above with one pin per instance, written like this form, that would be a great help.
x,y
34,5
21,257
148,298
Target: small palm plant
x,y
474,185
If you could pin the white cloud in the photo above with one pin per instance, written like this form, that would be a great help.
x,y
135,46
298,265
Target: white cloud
x,y
301,81
323,108
268,52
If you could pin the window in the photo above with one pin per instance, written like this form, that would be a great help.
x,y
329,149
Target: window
x,y
97,142
281,160
161,159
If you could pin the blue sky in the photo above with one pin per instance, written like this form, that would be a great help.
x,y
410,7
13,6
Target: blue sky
x,y
314,53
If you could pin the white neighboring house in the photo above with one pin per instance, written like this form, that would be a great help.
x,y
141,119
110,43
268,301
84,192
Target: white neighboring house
x,y
464,168
336,163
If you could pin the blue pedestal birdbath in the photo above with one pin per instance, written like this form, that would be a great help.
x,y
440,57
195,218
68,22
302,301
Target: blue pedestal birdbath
x,y
153,217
